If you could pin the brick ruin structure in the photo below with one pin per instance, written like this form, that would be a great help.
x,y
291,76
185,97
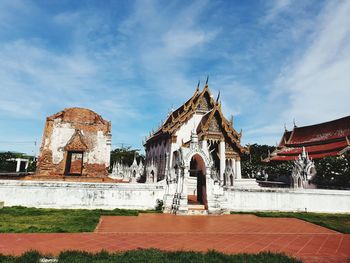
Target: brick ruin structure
x,y
76,144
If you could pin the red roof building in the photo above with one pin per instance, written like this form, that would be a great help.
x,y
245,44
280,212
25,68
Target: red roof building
x,y
320,140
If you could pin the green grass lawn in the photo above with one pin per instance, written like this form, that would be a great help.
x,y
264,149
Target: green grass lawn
x,y
29,220
35,220
337,222
152,255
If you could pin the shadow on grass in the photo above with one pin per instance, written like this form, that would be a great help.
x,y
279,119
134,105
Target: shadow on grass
x,y
19,219
150,255
337,222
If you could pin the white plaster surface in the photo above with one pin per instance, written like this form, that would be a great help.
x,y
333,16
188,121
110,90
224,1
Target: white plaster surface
x,y
61,134
184,133
310,200
79,195
100,154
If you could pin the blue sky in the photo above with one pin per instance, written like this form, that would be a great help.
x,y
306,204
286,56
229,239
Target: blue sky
x,y
132,61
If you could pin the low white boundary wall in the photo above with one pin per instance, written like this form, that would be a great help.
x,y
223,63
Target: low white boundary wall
x,y
56,194
272,199
48,194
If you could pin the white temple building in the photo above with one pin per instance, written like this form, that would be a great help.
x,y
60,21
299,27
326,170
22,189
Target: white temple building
x,y
196,152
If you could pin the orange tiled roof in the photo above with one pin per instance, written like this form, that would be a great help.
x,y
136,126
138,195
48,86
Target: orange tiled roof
x,y
320,140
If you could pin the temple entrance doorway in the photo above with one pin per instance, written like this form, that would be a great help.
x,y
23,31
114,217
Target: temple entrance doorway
x,y
198,195
74,163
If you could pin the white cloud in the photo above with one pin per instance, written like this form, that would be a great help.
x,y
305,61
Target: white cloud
x,y
163,41
317,83
35,80
313,84
275,9
154,56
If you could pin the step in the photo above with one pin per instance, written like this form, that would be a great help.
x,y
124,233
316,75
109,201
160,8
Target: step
x,y
196,207
196,212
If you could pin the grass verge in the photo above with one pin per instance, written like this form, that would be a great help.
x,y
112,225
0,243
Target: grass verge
x,y
19,219
152,255
337,222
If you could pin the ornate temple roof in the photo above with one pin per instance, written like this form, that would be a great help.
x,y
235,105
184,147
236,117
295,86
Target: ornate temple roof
x,y
230,132
182,114
320,140
201,101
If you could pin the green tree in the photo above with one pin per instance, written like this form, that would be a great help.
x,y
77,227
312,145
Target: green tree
x,y
333,171
10,166
253,166
5,165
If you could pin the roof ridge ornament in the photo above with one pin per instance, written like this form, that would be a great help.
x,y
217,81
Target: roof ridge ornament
x,y
206,82
295,126
303,154
218,97
134,161
199,82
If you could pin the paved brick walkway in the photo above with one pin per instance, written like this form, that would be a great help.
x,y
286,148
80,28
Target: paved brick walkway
x,y
229,234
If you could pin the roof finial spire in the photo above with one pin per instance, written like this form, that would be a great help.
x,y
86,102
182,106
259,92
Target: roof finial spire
x,y
294,123
206,83
217,99
285,127
199,82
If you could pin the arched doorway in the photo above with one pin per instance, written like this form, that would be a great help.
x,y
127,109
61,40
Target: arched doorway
x,y
197,170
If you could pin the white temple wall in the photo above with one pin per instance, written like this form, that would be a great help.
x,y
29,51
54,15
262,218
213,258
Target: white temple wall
x,y
184,133
101,153
170,150
63,132
269,199
80,195
157,154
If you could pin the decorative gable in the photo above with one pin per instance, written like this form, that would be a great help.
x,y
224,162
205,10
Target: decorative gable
x,y
214,125
76,142
205,104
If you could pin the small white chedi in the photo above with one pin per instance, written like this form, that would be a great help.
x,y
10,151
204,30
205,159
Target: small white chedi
x,y
303,172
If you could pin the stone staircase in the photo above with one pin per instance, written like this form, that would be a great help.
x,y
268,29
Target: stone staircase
x,y
194,207
197,209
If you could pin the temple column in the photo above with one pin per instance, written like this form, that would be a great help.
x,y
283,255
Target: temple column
x,y
182,196
205,146
233,166
222,160
238,169
184,192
